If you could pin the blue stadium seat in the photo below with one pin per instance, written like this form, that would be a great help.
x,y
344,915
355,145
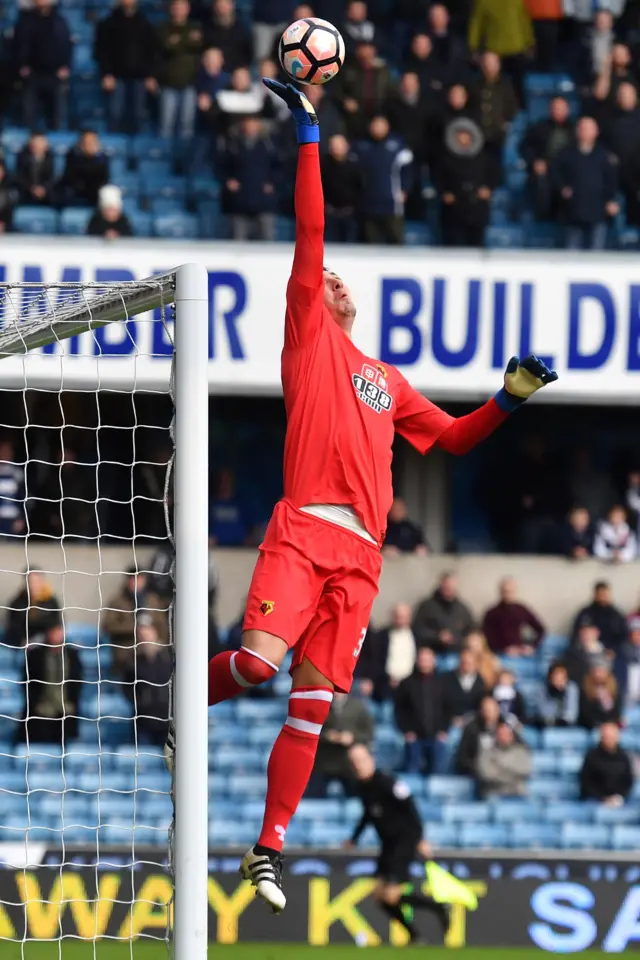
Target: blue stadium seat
x,y
504,238
165,187
625,838
246,786
484,835
320,811
535,834
578,836
149,147
61,141
531,737
565,738
157,169
204,188
629,814
84,634
329,834
544,236
260,710
415,782
450,788
13,139
74,220
141,223
632,716
285,230
544,763
430,811
35,220
570,762
466,812
176,226
546,788
417,234
115,144
525,668
515,811
129,184
442,834
166,206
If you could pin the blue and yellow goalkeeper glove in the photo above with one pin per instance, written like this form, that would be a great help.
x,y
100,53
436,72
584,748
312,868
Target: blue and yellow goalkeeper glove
x,y
521,379
307,129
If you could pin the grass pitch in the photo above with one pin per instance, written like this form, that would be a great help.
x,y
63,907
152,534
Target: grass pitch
x,y
74,950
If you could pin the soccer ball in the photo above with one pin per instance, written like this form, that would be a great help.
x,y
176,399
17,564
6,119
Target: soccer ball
x,y
311,50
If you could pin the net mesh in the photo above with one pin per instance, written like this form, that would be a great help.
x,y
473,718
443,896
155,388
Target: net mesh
x,y
86,651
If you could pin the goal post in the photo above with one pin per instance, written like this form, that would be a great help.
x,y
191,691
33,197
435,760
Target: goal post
x,y
50,342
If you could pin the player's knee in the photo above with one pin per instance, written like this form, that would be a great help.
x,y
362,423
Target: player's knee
x,y
390,893
308,710
250,669
305,674
271,648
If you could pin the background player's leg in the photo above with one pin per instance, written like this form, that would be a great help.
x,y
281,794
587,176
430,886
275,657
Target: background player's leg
x,y
234,671
294,752
388,896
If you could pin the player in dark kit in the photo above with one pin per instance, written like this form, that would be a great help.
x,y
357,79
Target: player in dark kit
x,y
390,808
317,574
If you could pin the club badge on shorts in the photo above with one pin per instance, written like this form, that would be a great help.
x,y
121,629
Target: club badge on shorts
x,y
267,607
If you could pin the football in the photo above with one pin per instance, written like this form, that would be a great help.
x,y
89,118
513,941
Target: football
x,y
311,50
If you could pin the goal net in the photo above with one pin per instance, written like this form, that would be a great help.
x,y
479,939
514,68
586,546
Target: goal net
x,y
103,587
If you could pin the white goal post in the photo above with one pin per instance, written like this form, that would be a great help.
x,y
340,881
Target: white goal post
x,y
37,322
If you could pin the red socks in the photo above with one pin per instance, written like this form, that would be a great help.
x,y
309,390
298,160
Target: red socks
x,y
233,671
292,759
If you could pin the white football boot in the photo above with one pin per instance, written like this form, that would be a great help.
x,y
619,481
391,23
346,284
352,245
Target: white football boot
x,y
265,873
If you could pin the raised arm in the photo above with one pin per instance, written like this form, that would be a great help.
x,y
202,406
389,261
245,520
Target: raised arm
x,y
305,288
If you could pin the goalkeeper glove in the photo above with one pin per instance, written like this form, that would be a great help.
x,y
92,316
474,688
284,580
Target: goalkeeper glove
x,y
307,129
521,379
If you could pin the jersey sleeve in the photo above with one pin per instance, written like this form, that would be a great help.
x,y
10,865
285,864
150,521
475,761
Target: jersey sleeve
x,y
305,290
417,419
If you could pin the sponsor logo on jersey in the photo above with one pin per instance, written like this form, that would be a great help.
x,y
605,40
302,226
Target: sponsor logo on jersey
x,y
372,388
267,607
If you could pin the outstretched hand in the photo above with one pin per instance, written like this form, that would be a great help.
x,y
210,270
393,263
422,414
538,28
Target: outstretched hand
x,y
523,377
301,110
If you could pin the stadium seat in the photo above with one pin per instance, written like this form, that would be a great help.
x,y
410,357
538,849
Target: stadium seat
x,y
35,220
484,835
320,811
570,762
546,788
450,788
543,762
625,838
157,169
176,226
442,834
504,237
329,834
430,811
578,836
629,814
535,834
515,811
531,737
466,812
565,738
149,147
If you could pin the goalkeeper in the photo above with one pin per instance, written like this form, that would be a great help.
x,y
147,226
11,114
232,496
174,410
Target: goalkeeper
x,y
317,574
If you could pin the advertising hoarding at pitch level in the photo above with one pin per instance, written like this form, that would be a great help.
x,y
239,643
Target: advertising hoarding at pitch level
x,y
559,905
449,320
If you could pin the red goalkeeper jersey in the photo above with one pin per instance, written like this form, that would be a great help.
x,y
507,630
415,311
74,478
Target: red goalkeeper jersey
x,y
344,407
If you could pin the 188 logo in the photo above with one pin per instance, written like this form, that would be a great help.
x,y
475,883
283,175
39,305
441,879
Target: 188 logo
x,y
371,387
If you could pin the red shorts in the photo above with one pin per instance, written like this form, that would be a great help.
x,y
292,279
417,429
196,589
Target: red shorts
x,y
313,586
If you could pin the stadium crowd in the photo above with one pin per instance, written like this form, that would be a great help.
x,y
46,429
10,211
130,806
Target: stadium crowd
x,y
451,122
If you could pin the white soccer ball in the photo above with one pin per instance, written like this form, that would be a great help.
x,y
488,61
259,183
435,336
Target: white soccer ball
x,y
311,50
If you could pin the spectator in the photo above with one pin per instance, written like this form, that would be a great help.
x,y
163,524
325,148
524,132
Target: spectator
x,y
586,181
31,611
602,614
34,171
488,663
600,42
389,656
546,16
407,112
124,609
542,143
442,620
432,75
125,47
342,183
448,47
329,116
42,50
357,27
420,717
559,702
622,134
228,523
386,179
148,683
464,180
509,698
584,652
617,70
9,198
577,539
600,701
52,679
462,690
632,498
210,80
224,31
86,170
109,221
249,166
627,665
403,536
242,98
606,774
510,627
479,731
179,45
365,85
503,29
160,581
12,491
349,722
270,17
615,541
495,104
503,768
273,104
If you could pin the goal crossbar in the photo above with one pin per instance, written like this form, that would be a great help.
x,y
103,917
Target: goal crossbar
x,y
110,303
